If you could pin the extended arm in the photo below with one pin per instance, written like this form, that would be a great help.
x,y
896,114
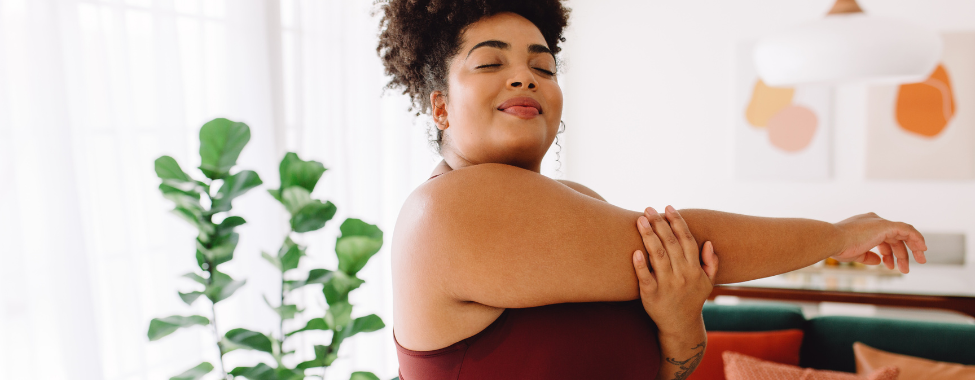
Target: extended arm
x,y
508,237
753,247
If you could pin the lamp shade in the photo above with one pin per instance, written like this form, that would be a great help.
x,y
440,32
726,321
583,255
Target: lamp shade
x,y
848,48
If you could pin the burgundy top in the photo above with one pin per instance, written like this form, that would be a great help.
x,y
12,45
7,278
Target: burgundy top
x,y
595,340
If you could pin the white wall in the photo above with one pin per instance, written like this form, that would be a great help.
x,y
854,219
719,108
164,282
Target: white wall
x,y
649,111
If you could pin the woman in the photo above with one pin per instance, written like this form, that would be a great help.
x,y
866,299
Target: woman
x,y
502,273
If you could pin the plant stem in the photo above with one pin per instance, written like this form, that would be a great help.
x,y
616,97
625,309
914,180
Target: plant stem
x,y
281,319
211,268
216,332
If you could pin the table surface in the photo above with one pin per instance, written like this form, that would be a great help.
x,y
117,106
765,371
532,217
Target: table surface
x,y
927,280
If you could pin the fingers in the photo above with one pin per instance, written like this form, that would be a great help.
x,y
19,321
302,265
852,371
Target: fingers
x,y
659,258
900,252
646,279
915,241
710,261
684,237
888,255
662,228
869,258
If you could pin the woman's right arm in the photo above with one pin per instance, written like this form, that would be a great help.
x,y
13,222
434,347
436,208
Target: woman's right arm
x,y
507,237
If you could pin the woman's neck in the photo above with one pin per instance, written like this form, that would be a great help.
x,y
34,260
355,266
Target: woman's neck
x,y
452,161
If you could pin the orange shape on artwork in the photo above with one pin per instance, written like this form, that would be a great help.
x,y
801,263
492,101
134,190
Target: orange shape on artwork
x,y
792,129
766,102
925,108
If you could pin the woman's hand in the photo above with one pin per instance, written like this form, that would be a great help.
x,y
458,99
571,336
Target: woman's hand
x,y
674,293
863,232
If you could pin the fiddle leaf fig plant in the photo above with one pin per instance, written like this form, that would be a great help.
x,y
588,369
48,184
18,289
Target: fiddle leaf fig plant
x,y
358,242
205,204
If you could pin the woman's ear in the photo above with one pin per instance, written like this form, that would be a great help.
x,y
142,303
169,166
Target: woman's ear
x,y
438,103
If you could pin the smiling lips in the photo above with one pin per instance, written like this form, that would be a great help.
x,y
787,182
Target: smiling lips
x,y
522,107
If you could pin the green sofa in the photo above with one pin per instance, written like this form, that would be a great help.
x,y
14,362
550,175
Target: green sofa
x,y
828,340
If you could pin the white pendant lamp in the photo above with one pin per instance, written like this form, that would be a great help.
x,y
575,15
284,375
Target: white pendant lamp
x,y
848,46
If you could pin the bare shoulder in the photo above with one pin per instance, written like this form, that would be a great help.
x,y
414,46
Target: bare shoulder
x,y
440,210
429,312
474,241
581,188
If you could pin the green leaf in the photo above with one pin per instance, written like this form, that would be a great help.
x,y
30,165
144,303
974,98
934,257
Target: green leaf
x,y
259,372
287,245
365,324
276,193
168,168
221,287
221,250
228,224
182,198
195,218
318,276
358,243
338,286
247,339
288,256
296,172
176,185
194,373
190,297
356,227
221,141
312,216
363,376
313,324
284,311
196,277
201,261
291,257
233,187
271,259
294,198
322,354
160,327
338,314
285,373
315,276
368,323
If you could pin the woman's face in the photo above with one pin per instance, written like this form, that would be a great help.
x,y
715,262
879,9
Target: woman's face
x,y
503,102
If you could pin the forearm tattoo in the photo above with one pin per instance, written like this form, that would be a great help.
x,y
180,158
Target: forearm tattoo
x,y
687,366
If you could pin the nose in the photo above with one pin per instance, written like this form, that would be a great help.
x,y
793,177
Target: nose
x,y
531,85
524,79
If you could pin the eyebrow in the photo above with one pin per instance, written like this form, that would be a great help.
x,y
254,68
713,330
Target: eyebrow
x,y
533,48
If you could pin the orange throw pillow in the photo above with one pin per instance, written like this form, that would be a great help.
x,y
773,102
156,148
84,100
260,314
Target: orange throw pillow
x,y
744,367
869,358
780,346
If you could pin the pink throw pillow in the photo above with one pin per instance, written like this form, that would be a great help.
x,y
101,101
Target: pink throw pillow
x,y
911,367
744,367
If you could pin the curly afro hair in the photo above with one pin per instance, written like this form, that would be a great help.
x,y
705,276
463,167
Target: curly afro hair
x,y
418,38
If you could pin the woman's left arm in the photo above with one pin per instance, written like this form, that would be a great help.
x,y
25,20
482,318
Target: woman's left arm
x,y
752,247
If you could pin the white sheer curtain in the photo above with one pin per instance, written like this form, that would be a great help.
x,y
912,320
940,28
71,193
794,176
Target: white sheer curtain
x,y
91,92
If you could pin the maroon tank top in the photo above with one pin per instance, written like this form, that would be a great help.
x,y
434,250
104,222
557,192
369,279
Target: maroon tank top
x,y
594,340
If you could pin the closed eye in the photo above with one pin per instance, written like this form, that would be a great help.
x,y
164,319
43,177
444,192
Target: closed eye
x,y
486,66
546,72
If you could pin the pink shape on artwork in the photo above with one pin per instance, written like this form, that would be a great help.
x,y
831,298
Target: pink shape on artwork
x,y
792,129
